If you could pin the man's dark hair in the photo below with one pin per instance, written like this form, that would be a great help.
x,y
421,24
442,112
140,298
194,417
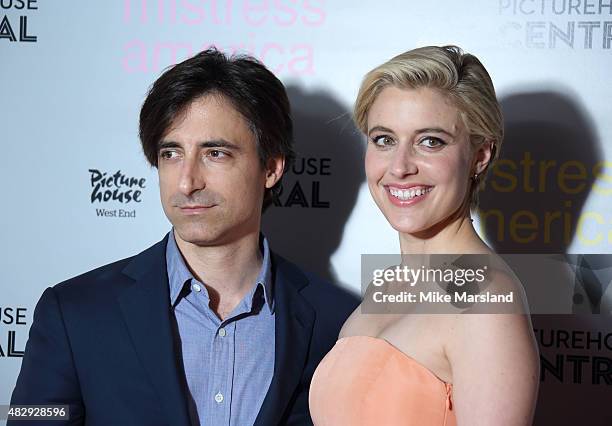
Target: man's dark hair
x,y
251,88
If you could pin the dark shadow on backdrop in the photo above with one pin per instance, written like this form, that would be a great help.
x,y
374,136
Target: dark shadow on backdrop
x,y
320,191
543,131
538,188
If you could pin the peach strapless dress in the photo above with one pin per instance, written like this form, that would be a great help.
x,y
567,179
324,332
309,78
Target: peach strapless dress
x,y
367,381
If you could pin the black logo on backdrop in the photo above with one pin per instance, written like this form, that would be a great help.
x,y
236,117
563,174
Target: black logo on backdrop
x,y
15,318
575,356
10,26
573,24
302,184
115,188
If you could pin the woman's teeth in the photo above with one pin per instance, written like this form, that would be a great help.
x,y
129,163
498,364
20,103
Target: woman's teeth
x,y
408,194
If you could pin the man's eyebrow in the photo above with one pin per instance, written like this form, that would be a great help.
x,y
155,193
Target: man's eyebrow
x,y
167,144
214,143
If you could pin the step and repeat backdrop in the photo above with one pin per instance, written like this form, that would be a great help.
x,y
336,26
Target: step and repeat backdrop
x,y
74,75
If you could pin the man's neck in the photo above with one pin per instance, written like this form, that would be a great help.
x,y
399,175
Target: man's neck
x,y
228,271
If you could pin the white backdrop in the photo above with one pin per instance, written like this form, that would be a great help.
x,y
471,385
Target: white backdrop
x,y
74,75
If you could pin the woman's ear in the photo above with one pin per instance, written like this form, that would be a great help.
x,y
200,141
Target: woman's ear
x,y
483,156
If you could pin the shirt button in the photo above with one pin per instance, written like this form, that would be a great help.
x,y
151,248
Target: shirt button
x,y
219,397
196,287
222,332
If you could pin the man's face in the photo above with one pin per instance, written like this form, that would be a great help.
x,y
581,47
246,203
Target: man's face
x,y
211,179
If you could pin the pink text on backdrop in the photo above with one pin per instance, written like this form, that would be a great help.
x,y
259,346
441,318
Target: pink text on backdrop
x,y
140,56
254,13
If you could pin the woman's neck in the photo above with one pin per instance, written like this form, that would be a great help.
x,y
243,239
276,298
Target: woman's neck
x,y
454,236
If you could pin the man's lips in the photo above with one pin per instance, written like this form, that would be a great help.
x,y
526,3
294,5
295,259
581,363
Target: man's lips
x,y
194,209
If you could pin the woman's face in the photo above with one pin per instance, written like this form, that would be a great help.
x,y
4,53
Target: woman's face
x,y
419,160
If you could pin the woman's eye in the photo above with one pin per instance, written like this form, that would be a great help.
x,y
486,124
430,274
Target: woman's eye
x,y
382,141
432,142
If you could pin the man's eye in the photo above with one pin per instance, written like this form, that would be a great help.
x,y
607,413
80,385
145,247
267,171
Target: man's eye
x,y
382,141
167,155
430,142
215,153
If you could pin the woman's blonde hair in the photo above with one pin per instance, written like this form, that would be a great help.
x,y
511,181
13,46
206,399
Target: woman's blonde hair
x,y
459,76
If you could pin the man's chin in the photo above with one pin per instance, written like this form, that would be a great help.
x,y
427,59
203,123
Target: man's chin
x,y
198,237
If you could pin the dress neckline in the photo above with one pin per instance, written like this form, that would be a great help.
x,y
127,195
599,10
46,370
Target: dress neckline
x,y
395,349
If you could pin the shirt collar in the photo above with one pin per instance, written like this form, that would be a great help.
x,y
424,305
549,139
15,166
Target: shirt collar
x,y
179,274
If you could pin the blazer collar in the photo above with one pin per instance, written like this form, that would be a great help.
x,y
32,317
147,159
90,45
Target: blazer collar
x,y
294,322
146,310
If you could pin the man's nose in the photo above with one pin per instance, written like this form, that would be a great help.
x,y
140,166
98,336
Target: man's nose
x,y
403,162
192,176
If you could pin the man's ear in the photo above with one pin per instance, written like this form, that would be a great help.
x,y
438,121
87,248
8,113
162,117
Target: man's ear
x,y
483,156
274,170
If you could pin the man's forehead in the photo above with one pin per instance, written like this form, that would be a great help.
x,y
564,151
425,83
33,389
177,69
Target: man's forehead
x,y
211,116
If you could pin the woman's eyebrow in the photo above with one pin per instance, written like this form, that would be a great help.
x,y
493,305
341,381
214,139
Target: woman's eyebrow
x,y
435,130
380,129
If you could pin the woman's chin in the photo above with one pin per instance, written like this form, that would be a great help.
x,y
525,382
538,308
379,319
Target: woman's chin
x,y
412,228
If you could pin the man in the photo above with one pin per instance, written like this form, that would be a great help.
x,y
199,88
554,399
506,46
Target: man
x,y
207,327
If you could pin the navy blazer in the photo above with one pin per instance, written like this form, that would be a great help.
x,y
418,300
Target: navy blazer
x,y
103,343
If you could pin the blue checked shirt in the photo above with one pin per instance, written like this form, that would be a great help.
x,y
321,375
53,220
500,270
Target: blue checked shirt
x,y
228,364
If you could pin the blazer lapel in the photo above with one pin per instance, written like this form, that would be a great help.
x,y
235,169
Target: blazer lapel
x,y
294,319
146,309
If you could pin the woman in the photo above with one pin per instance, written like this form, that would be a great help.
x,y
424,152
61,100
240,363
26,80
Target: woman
x,y
433,126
